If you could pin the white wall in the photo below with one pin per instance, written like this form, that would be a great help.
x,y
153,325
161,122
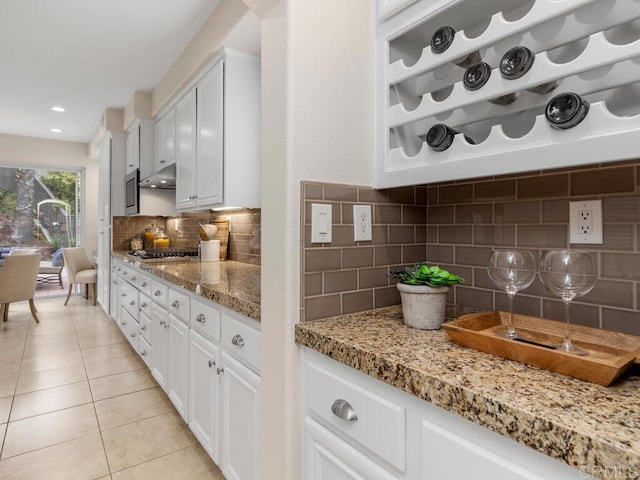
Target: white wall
x,y
317,82
39,152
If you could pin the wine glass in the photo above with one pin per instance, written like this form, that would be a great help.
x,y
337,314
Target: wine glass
x,y
511,270
568,274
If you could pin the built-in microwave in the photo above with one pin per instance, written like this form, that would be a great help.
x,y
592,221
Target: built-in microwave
x,y
132,192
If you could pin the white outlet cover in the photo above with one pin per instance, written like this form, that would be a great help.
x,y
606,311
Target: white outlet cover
x,y
577,210
362,223
321,223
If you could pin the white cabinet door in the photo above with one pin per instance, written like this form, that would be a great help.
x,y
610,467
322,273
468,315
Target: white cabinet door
x,y
204,393
165,137
178,365
241,421
209,143
159,360
133,148
327,457
186,151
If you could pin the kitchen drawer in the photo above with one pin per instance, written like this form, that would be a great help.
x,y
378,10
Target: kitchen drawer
x,y
144,348
361,415
143,282
179,304
159,293
130,329
128,273
205,319
145,326
129,299
145,303
241,340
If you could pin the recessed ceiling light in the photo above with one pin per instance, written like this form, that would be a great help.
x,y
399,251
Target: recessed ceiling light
x,y
57,109
56,130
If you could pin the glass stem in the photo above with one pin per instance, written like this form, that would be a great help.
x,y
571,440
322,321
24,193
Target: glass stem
x,y
566,344
511,331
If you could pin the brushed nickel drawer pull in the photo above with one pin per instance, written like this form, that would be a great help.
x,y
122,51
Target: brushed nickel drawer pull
x,y
175,304
201,318
238,340
343,409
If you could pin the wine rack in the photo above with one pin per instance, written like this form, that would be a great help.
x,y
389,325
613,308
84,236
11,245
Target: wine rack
x,y
590,47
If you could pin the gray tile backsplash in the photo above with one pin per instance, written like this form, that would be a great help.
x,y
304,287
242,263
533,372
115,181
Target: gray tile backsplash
x,y
456,224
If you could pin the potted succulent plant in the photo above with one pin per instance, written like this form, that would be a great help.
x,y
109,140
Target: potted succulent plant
x,y
423,291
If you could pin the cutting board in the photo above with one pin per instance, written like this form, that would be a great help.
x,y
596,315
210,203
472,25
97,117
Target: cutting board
x,y
223,235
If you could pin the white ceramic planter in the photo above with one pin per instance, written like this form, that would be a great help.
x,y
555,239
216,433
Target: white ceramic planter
x,y
423,306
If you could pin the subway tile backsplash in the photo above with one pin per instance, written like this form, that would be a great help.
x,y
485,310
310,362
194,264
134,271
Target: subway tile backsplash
x,y
456,224
244,235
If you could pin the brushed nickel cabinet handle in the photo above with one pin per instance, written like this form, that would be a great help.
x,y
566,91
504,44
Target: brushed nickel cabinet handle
x,y
237,340
201,318
343,409
175,304
211,363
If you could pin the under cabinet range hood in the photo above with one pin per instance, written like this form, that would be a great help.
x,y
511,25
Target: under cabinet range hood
x,y
163,178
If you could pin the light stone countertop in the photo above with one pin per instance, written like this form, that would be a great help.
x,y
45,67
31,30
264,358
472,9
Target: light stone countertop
x,y
234,285
579,423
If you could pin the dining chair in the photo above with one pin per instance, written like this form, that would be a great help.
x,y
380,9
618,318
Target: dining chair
x,y
22,251
80,270
18,278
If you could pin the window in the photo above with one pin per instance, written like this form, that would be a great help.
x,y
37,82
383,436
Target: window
x,y
39,207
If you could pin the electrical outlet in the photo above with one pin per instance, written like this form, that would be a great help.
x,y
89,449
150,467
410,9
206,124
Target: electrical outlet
x,y
362,223
585,222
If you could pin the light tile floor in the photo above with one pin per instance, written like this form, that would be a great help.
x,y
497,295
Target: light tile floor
x,y
76,402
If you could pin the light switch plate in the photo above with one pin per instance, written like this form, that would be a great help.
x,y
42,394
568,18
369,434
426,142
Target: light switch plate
x,y
585,222
320,223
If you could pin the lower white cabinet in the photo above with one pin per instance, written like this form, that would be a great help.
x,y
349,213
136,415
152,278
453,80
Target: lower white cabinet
x,y
204,393
178,365
415,440
240,420
327,457
204,356
159,341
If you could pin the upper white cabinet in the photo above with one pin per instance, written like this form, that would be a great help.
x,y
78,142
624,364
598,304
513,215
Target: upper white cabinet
x,y
586,47
218,136
140,147
165,137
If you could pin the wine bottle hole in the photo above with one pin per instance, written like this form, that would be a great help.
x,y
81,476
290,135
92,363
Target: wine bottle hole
x,y
518,125
442,94
624,34
520,11
623,101
566,53
549,29
594,11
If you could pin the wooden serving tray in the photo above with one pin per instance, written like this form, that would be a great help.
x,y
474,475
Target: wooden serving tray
x,y
609,353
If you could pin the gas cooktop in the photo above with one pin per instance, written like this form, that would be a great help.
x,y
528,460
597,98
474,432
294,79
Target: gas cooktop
x,y
164,254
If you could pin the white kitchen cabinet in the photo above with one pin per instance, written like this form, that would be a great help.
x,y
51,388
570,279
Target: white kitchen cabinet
x,y
209,137
140,147
327,457
205,357
587,47
111,156
218,136
204,393
240,420
159,342
186,151
178,365
200,149
165,139
415,439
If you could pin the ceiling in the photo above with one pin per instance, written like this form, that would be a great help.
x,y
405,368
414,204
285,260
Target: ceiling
x,y
85,55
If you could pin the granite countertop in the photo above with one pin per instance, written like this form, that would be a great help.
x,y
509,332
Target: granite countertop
x,y
234,285
580,423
